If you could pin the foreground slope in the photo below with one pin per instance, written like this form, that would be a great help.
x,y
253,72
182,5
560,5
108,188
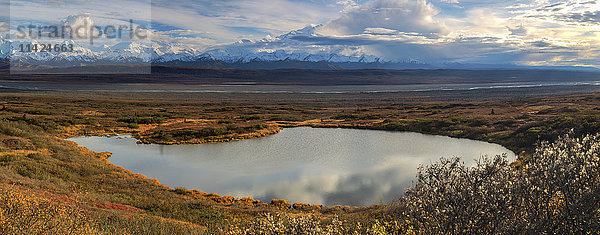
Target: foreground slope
x,y
44,177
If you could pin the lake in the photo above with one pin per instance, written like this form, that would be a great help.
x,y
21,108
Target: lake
x,y
310,165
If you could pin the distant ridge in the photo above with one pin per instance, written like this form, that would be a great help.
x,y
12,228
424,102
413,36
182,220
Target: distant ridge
x,y
295,64
326,65
325,77
131,53
4,66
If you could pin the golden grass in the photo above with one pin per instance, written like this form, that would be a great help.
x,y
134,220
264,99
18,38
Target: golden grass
x,y
25,212
103,198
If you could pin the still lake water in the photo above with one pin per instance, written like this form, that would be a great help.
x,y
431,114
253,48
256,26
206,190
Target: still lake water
x,y
311,165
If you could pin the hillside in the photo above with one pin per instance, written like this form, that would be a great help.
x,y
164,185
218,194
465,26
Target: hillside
x,y
50,184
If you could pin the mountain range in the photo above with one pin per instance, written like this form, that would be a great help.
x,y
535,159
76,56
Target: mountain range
x,y
244,54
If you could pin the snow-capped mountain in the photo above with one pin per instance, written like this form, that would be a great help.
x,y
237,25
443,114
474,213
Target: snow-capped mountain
x,y
268,49
308,31
165,52
284,51
4,47
280,49
232,55
122,52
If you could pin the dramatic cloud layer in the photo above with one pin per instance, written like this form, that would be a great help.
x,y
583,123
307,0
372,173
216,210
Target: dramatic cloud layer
x,y
524,32
389,15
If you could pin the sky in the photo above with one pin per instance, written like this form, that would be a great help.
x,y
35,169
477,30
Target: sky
x,y
523,32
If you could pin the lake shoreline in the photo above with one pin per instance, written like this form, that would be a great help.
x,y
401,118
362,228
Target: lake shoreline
x,y
324,152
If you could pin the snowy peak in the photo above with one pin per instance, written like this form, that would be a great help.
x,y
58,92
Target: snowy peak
x,y
308,31
268,49
4,48
286,47
232,55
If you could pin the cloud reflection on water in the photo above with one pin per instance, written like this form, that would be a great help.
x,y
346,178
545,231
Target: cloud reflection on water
x,y
311,165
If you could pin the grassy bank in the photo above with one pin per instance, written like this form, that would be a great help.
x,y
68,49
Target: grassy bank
x,y
44,177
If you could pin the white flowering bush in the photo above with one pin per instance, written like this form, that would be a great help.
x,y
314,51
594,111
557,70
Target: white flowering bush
x,y
557,190
298,224
450,197
561,187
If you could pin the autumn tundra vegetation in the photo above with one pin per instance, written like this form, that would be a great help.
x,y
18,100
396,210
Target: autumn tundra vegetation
x,y
50,185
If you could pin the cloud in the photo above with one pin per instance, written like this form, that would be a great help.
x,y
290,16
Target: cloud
x,y
519,31
588,17
401,15
450,1
383,184
83,24
64,2
3,27
348,5
380,31
232,20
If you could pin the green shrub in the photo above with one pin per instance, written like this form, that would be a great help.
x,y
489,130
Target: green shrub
x,y
288,118
138,120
